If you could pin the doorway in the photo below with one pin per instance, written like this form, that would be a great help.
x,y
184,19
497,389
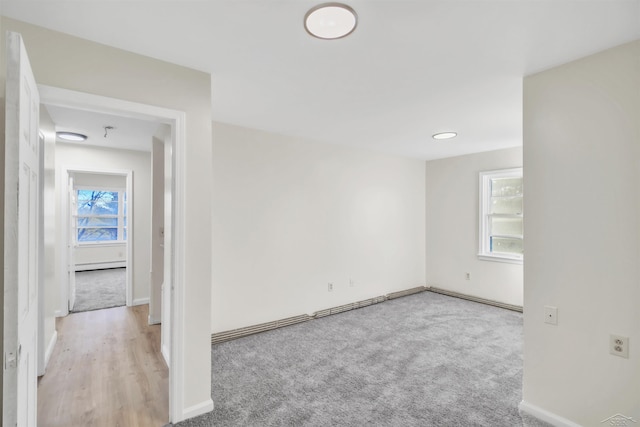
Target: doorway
x,y
171,316
100,235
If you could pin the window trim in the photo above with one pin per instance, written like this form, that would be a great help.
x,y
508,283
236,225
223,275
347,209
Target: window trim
x,y
483,215
122,199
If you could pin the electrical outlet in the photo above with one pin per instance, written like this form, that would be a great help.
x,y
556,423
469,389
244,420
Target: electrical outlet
x,y
619,346
330,287
467,276
550,315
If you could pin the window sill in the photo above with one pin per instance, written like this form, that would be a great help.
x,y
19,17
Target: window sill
x,y
100,244
498,258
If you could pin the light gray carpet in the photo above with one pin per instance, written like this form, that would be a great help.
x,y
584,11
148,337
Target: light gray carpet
x,y
97,289
421,360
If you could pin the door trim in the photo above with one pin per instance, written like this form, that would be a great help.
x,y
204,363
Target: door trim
x,y
176,119
64,220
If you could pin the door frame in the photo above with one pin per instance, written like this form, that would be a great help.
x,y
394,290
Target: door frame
x,y
177,121
67,171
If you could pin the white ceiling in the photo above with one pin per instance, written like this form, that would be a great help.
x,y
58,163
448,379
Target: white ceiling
x,y
411,68
127,133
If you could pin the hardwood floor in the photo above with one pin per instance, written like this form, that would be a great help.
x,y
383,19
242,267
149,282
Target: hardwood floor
x,y
106,370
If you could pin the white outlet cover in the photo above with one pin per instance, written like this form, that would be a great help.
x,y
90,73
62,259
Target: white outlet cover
x,y
619,346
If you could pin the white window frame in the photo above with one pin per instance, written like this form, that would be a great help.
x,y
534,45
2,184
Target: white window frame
x,y
484,251
121,216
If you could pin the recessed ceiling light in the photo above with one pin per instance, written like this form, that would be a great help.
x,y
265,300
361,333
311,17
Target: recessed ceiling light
x,y
71,136
330,21
445,135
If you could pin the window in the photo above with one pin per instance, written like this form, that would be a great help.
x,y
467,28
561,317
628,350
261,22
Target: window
x,y
501,215
101,216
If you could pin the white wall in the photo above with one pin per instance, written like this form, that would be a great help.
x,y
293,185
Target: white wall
x,y
452,228
291,215
582,222
99,181
70,156
67,62
94,257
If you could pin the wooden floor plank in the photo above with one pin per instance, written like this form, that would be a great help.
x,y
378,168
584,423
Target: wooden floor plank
x,y
106,370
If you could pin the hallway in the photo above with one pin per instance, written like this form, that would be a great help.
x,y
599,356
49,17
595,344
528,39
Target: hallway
x,y
106,370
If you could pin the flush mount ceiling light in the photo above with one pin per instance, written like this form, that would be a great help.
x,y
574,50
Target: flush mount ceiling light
x,y
445,135
71,136
330,21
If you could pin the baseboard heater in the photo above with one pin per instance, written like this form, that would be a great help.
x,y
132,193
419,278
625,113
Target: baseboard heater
x,y
404,293
255,329
221,337
475,299
348,307
100,265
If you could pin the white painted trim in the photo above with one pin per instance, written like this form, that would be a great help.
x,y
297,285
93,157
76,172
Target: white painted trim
x,y
199,409
42,232
102,104
153,320
130,221
50,347
177,120
85,170
484,207
62,184
177,410
544,415
166,354
140,301
111,244
497,258
101,265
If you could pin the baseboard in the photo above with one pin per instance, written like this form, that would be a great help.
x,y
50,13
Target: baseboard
x,y
50,347
475,299
60,313
544,415
154,321
199,409
165,354
140,301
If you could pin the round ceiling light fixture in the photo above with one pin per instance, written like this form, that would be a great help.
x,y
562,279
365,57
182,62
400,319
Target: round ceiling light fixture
x,y
71,136
444,135
330,21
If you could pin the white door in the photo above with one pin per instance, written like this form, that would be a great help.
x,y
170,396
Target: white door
x,y
20,239
71,239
